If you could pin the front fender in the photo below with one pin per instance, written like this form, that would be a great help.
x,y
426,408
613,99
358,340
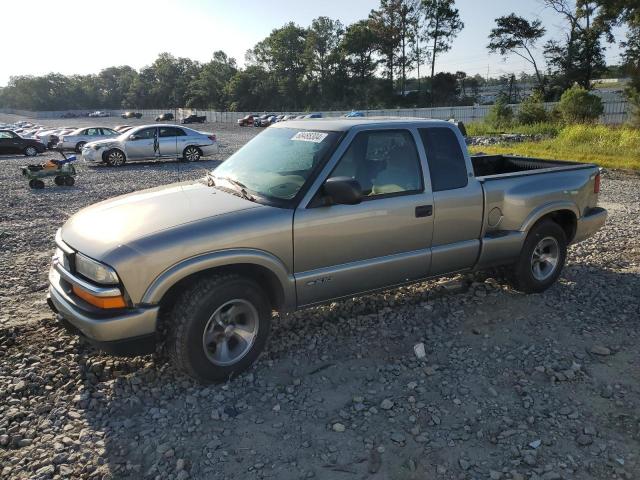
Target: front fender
x,y
199,263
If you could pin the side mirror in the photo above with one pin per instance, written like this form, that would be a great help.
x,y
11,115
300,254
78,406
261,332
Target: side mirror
x,y
343,190
133,136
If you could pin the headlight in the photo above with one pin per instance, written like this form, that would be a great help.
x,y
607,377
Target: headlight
x,y
96,147
95,271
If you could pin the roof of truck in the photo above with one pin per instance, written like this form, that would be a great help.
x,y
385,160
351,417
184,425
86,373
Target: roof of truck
x,y
344,123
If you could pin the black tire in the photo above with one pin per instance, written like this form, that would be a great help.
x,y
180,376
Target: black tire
x,y
38,184
191,154
69,181
545,240
30,151
59,181
79,146
193,312
115,158
32,183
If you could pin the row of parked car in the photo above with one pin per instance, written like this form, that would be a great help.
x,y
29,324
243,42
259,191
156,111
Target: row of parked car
x,y
113,146
266,119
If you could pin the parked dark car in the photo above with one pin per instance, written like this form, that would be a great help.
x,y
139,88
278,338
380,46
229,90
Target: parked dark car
x,y
194,119
11,142
313,115
69,115
247,120
131,115
164,117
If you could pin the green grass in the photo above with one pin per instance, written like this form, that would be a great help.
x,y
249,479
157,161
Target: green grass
x,y
546,128
611,147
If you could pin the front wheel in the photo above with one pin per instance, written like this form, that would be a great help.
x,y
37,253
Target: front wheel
x,y
79,146
541,259
115,158
191,154
59,181
219,327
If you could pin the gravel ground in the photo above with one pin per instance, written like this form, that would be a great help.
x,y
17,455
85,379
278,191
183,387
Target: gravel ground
x,y
510,386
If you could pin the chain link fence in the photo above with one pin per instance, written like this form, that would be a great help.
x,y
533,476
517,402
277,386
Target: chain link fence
x,y
615,112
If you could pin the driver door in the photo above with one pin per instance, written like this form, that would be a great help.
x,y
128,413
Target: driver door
x,y
385,240
144,144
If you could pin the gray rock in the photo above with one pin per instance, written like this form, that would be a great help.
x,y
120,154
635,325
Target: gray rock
x,y
386,404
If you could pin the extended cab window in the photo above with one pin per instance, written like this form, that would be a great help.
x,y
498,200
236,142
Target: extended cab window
x,y
383,162
445,158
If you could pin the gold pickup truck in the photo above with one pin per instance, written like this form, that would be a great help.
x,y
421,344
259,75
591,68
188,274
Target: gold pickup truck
x,y
309,211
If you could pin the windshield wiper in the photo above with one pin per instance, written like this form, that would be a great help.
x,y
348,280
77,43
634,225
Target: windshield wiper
x,y
242,188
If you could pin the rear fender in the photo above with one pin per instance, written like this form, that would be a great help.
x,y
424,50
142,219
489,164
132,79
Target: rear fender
x,y
546,209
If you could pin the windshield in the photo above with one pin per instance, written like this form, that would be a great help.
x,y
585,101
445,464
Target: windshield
x,y
278,162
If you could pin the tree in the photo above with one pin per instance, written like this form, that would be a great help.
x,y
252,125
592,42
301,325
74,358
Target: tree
x,y
578,105
322,54
209,88
442,25
253,88
444,89
580,59
359,47
500,115
516,35
532,110
283,54
385,25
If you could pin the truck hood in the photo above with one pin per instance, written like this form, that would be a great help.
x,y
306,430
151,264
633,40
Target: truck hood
x,y
104,226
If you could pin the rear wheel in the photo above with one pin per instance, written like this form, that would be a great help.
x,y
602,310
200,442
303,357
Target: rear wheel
x,y
38,184
59,181
115,158
219,327
541,259
192,154
31,151
69,181
79,146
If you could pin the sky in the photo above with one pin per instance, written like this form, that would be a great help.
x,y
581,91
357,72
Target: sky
x,y
81,37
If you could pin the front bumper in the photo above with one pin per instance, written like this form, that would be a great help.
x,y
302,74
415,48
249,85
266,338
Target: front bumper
x,y
590,223
91,155
122,331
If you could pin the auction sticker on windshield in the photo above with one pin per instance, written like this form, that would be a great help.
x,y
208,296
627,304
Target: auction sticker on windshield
x,y
315,137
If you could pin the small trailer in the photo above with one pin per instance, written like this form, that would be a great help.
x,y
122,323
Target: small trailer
x,y
62,171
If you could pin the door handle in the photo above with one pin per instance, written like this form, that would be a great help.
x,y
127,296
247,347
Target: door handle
x,y
424,211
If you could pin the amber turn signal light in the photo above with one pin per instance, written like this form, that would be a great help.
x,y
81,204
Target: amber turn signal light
x,y
100,302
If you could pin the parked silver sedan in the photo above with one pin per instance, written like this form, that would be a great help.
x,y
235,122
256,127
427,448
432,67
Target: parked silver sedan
x,y
149,142
80,137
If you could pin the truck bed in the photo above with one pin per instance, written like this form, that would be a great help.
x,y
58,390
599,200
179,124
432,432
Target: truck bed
x,y
500,166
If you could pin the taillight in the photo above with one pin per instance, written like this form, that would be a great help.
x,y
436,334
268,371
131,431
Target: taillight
x,y
212,138
596,184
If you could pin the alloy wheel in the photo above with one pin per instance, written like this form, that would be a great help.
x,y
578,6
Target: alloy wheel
x,y
544,258
230,332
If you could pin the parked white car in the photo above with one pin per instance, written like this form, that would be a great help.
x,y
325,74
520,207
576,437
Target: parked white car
x,y
99,114
149,142
51,137
80,137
